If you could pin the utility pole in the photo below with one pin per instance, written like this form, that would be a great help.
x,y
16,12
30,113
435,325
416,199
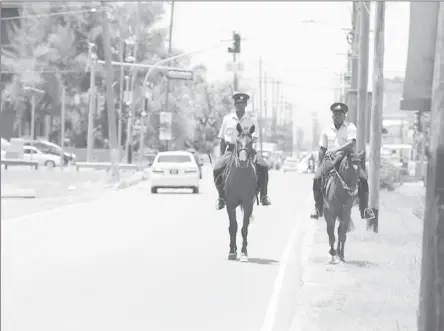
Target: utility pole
x,y
92,102
235,49
122,78
265,113
62,126
260,103
112,131
431,303
364,22
376,114
170,45
352,95
132,116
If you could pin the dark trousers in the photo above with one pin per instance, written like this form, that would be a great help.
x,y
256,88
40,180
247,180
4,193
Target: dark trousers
x,y
324,168
261,169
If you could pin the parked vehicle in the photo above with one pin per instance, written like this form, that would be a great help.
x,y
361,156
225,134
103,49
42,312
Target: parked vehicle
x,y
53,149
290,164
32,153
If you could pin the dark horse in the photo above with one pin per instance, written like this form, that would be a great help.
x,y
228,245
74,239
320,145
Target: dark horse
x,y
339,194
240,189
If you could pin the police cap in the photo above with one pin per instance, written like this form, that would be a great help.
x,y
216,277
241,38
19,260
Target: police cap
x,y
239,96
339,106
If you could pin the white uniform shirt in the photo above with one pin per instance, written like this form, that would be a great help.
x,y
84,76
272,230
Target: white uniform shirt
x,y
228,131
333,138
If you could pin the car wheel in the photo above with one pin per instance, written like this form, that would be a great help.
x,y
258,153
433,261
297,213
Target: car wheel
x,y
195,190
154,190
50,164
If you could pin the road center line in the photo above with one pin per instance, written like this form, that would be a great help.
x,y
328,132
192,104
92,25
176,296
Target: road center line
x,y
270,315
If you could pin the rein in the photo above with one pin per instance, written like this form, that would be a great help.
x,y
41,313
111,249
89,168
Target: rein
x,y
343,183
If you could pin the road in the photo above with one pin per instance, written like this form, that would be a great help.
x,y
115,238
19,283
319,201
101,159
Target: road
x,y
134,261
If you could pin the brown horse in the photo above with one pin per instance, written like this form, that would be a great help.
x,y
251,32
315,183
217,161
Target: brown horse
x,y
339,194
240,189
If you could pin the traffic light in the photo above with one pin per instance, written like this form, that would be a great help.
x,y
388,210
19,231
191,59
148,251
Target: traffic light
x,y
236,43
417,121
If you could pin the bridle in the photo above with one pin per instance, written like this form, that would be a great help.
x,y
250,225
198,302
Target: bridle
x,y
248,149
343,183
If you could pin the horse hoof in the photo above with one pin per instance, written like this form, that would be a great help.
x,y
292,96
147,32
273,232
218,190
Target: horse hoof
x,y
334,260
243,258
232,257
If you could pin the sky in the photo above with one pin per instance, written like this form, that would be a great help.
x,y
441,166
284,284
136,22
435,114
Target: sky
x,y
301,43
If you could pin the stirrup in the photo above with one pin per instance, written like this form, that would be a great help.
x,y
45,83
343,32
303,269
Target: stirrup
x,y
369,212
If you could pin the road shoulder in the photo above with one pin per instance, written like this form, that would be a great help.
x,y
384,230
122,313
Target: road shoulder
x,y
377,289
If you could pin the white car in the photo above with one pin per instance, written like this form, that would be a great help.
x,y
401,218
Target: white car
x,y
176,169
31,153
290,164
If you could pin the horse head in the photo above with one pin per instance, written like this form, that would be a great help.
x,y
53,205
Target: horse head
x,y
244,143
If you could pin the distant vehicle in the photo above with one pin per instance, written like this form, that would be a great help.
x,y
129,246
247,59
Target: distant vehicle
x,y
32,153
4,144
177,169
290,164
53,149
304,165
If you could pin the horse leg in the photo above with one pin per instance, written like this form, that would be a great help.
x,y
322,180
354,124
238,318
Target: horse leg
x,y
331,235
246,222
342,237
232,229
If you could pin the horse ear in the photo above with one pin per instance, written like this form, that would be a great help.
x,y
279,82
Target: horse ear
x,y
252,128
239,128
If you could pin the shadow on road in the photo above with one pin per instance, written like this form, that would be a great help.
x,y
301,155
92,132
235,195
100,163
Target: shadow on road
x,y
261,261
361,264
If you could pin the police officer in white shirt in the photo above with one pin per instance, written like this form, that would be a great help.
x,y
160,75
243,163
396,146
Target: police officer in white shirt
x,y
337,140
227,136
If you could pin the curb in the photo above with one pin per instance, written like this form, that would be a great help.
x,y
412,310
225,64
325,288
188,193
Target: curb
x,y
133,180
18,193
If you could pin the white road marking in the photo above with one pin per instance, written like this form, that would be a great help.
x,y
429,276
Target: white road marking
x,y
270,315
57,209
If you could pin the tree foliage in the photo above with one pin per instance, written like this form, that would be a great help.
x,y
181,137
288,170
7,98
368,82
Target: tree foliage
x,y
50,52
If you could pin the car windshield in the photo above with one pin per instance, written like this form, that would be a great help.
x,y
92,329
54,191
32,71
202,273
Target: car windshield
x,y
48,146
176,158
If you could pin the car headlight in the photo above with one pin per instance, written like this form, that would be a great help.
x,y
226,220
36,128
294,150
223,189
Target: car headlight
x,y
157,171
190,170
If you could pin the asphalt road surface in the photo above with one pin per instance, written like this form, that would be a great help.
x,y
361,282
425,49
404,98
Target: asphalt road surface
x,y
132,260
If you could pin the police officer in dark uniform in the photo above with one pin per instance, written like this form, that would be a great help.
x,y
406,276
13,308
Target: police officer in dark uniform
x,y
227,136
337,140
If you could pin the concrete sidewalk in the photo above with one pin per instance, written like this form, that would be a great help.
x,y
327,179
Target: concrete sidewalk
x,y
378,287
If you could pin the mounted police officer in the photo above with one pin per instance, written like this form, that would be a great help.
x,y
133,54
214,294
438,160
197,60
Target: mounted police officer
x,y
335,142
227,136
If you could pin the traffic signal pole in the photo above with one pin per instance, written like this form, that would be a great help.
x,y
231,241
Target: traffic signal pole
x,y
235,49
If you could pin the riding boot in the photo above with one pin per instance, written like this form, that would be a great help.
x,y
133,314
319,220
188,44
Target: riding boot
x,y
263,185
219,182
318,198
363,198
